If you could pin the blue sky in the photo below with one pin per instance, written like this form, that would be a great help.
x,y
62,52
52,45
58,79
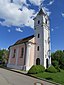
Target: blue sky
x,y
16,21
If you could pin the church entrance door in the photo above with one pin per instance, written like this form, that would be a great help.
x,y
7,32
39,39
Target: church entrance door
x,y
37,61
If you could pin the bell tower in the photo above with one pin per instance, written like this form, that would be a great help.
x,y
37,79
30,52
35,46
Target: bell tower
x,y
42,39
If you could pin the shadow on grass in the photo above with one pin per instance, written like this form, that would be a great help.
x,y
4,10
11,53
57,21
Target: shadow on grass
x,y
48,78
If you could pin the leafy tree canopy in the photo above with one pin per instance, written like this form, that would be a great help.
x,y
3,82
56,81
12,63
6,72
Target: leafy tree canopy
x,y
4,55
58,58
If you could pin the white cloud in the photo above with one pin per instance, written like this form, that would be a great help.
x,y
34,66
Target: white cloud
x,y
9,30
3,48
51,2
13,16
62,14
52,30
47,11
36,2
19,30
20,2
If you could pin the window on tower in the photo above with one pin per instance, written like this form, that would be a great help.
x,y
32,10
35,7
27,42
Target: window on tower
x,y
38,35
38,21
46,21
38,48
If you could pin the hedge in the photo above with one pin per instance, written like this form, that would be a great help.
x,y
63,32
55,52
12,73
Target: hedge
x,y
51,69
36,69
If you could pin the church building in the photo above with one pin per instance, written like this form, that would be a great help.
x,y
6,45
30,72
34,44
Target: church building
x,y
34,49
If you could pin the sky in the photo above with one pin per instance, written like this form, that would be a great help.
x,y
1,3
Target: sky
x,y
16,21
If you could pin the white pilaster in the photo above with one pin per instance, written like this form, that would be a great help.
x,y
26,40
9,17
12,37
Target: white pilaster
x,y
28,56
17,51
10,55
50,61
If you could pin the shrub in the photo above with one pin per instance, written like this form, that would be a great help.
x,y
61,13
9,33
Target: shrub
x,y
36,69
55,63
58,69
32,70
51,69
62,67
41,68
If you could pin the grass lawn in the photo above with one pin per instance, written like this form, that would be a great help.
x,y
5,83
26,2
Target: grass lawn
x,y
56,77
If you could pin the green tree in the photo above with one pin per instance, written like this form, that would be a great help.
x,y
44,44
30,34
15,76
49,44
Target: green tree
x,y
58,58
55,63
52,56
62,62
1,53
4,55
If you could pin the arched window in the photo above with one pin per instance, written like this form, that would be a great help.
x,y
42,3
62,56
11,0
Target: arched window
x,y
14,53
38,35
38,48
37,61
38,21
46,63
22,52
46,21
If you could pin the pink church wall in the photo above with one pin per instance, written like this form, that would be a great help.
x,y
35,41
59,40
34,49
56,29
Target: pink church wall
x,y
20,58
12,60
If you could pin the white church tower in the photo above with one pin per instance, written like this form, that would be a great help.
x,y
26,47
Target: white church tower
x,y
42,39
